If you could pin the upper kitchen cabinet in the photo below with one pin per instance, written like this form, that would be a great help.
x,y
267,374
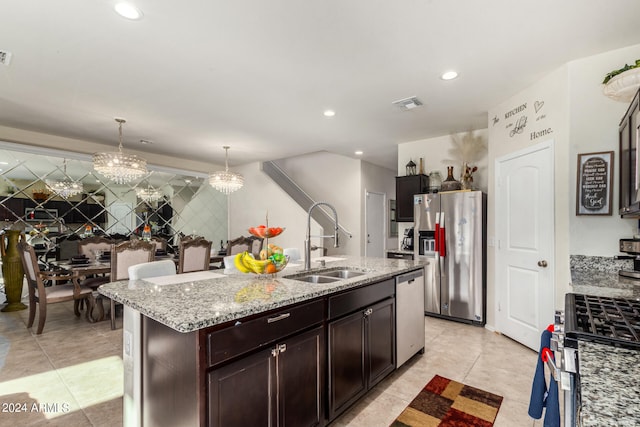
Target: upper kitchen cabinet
x,y
406,187
629,179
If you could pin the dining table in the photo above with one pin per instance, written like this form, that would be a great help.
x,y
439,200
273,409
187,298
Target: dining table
x,y
79,271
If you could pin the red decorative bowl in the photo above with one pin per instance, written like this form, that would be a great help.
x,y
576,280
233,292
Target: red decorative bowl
x,y
265,232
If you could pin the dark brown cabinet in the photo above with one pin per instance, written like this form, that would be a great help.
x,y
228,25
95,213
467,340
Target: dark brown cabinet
x,y
360,344
11,209
406,187
268,371
629,188
279,386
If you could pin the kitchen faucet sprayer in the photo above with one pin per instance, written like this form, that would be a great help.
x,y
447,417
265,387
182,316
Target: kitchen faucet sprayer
x,y
307,241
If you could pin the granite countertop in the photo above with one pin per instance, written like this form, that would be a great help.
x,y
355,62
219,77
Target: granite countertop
x,y
609,385
196,304
604,284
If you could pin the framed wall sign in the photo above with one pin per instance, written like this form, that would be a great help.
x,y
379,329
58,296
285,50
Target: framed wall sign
x,y
594,183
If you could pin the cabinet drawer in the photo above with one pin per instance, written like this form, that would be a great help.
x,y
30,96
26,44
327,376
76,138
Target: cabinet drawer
x,y
349,301
246,336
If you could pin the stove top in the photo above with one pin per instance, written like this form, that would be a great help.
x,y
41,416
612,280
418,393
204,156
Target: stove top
x,y
610,321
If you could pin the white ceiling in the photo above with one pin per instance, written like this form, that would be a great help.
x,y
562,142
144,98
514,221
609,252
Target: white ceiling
x,y
257,74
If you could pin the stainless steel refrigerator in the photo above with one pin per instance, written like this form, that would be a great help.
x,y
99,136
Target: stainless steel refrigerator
x,y
450,228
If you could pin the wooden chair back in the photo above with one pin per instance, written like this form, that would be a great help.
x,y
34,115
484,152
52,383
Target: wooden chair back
x,y
89,245
194,255
251,244
128,253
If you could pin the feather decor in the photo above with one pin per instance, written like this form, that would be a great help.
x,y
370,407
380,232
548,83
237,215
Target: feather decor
x,y
466,150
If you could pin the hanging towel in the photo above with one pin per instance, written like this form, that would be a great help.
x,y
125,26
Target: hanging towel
x,y
542,397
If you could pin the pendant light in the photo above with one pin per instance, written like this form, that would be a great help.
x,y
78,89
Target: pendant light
x,y
118,166
66,187
225,181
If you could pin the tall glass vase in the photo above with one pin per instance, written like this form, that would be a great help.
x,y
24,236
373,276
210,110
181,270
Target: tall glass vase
x,y
12,270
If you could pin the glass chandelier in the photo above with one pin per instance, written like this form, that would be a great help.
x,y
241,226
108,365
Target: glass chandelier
x,y
66,187
224,181
118,166
149,194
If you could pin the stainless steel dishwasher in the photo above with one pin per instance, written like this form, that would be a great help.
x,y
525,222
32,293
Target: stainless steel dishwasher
x,y
409,315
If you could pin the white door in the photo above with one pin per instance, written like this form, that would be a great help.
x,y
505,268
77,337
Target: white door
x,y
525,243
374,224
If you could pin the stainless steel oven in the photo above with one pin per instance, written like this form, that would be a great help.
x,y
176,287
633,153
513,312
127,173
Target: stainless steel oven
x,y
595,319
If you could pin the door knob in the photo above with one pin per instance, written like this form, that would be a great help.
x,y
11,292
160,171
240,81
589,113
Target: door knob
x,y
542,263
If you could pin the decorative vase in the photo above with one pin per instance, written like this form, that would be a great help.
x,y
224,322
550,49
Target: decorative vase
x,y
466,184
450,184
12,270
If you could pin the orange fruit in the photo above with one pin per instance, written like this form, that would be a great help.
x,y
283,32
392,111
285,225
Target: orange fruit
x,y
271,268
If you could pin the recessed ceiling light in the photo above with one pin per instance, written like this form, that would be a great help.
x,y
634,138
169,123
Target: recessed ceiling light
x,y
127,10
358,153
329,113
449,75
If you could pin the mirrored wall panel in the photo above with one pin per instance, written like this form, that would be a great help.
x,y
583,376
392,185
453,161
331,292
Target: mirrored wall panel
x,y
56,198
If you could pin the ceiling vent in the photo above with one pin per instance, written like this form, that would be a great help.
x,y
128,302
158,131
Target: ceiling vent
x,y
5,57
408,103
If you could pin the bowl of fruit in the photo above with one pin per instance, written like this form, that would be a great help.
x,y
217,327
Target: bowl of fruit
x,y
265,232
271,261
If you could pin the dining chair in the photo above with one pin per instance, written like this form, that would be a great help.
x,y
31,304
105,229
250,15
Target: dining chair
x,y
124,255
250,244
165,267
90,245
229,265
194,255
42,295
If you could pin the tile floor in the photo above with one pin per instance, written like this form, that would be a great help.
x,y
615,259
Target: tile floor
x,y
71,375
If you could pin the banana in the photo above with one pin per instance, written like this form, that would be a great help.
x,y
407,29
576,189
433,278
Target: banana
x,y
238,261
255,265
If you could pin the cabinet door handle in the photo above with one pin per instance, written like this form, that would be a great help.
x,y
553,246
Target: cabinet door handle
x,y
282,348
279,317
368,312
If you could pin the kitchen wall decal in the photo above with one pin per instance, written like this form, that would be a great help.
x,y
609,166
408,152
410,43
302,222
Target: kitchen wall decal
x,y
538,105
519,126
594,183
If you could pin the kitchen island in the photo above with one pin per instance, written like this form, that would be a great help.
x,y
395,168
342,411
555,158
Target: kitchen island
x,y
608,374
241,349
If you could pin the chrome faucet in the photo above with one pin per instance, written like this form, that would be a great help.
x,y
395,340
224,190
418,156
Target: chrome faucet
x,y
307,241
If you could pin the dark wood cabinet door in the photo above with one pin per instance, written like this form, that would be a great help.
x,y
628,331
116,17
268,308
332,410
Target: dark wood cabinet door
x,y
381,341
629,197
11,209
406,187
346,362
301,380
241,394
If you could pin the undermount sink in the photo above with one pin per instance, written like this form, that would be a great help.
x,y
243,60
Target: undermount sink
x,y
342,274
327,276
314,278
